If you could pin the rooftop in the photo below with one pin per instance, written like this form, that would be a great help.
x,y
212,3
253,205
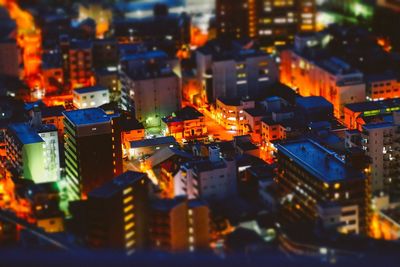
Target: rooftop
x,y
205,165
81,44
153,142
186,113
256,112
374,105
166,205
90,89
313,101
319,161
378,125
86,116
117,184
25,133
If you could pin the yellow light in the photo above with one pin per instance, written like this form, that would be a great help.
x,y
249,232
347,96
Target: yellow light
x,y
128,190
129,208
129,226
130,243
337,186
129,235
128,217
326,185
126,200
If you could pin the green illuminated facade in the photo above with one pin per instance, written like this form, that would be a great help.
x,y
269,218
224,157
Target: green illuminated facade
x,y
346,11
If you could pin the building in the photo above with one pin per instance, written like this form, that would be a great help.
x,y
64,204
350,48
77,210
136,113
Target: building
x,y
316,185
80,62
171,30
271,22
105,53
233,69
230,112
380,141
90,97
393,5
109,79
179,225
383,86
9,58
314,109
214,178
356,113
32,150
145,147
252,126
93,150
52,71
118,213
187,123
329,77
154,97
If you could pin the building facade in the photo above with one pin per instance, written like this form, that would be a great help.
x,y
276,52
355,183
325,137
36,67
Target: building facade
x,y
90,97
118,214
93,150
316,185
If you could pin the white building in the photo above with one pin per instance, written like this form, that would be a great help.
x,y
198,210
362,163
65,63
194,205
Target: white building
x,y
210,179
152,96
381,142
89,97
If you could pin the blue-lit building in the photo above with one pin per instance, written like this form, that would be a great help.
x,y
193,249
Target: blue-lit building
x,y
314,109
318,186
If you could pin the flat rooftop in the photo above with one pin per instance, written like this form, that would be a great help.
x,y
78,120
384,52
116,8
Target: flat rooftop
x,y
375,105
86,116
318,160
165,140
90,89
379,125
117,184
25,133
186,113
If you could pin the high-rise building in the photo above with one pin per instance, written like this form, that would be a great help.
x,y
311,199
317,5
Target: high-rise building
x,y
381,142
179,225
233,69
80,63
152,90
272,22
118,213
318,186
93,150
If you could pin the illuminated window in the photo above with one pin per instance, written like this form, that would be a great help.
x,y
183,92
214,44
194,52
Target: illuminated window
x,y
128,199
129,226
129,208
